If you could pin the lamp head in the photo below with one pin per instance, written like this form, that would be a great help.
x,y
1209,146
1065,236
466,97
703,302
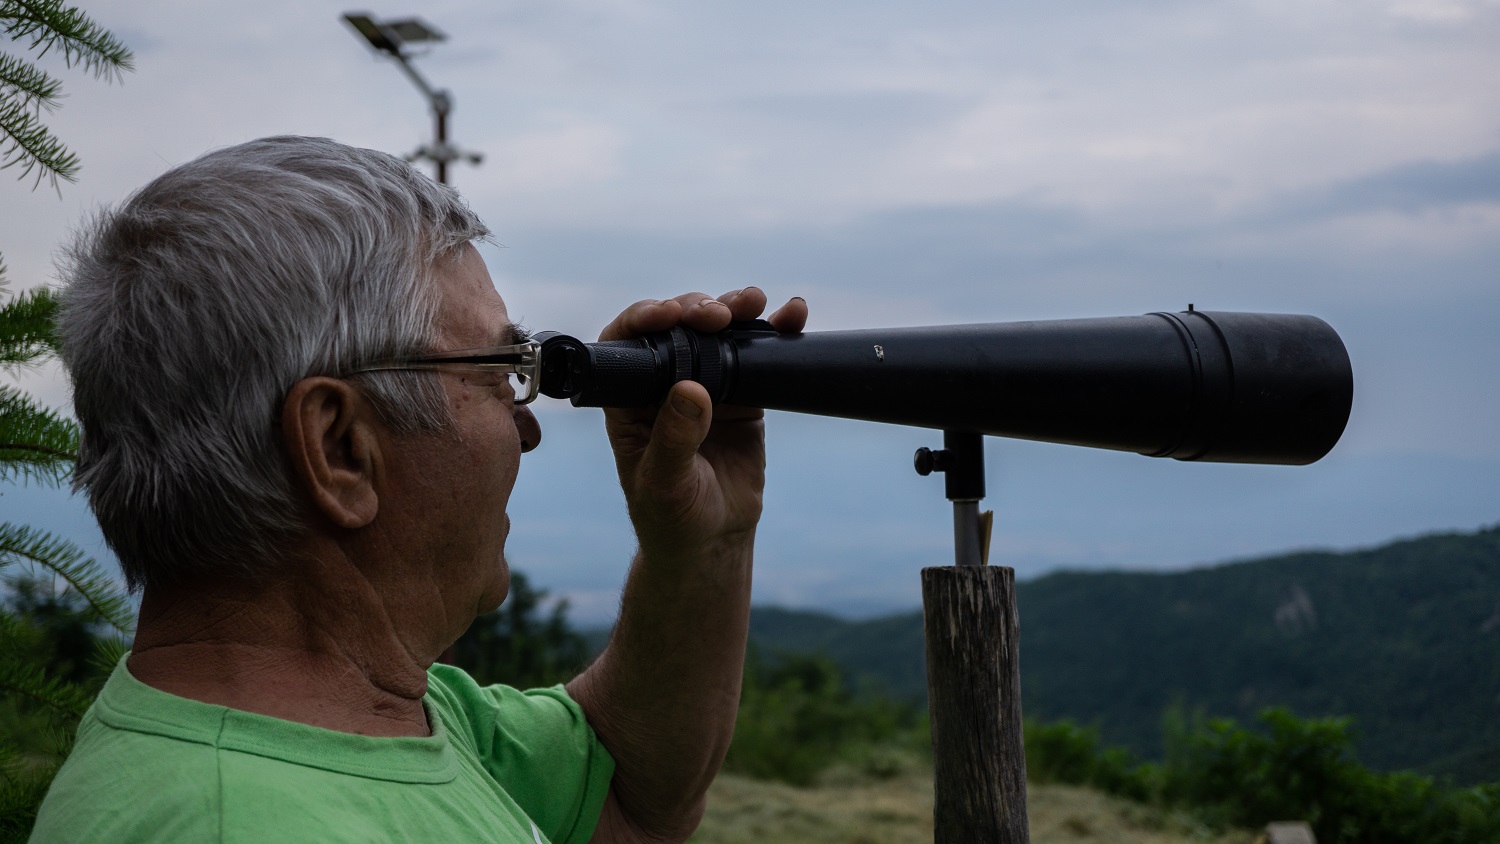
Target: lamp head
x,y
390,36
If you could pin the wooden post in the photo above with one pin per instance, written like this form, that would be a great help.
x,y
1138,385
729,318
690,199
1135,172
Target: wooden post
x,y
974,700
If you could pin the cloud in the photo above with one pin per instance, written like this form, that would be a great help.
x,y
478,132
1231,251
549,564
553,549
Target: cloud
x,y
1442,12
1410,188
900,164
566,152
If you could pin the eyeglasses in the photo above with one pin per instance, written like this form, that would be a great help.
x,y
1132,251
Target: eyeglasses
x,y
520,364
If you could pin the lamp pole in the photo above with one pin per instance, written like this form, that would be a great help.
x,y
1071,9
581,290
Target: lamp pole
x,y
390,38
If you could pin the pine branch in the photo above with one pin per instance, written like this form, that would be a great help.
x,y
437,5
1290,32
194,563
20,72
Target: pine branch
x,y
29,681
55,740
16,636
49,24
25,90
83,574
36,444
32,145
24,81
108,651
27,332
22,786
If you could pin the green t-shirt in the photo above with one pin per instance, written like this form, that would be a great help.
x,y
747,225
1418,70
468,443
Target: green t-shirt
x,y
501,765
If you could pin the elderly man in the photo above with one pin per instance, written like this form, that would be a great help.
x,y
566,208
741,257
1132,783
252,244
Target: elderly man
x,y
302,404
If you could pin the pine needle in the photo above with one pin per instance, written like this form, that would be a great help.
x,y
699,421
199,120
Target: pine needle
x,y
49,24
36,444
22,786
25,90
24,81
33,146
20,543
28,334
29,681
108,651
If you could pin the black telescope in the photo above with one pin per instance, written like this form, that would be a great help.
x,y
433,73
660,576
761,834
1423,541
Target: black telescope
x,y
1193,385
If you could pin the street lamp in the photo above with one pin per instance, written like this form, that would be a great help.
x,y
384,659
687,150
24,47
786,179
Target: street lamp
x,y
390,37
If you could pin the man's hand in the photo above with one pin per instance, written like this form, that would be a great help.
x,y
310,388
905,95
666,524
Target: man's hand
x,y
663,695
692,475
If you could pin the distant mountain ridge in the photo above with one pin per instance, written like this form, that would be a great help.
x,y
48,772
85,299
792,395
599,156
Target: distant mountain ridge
x,y
1405,638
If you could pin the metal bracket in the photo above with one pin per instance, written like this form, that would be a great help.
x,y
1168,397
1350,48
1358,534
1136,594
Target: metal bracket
x,y
961,460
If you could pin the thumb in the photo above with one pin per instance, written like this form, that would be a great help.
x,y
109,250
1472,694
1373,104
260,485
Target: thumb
x,y
680,428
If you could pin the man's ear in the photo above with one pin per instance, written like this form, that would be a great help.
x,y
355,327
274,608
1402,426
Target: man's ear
x,y
328,430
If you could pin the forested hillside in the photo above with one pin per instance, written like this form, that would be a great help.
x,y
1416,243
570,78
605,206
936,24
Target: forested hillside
x,y
1405,638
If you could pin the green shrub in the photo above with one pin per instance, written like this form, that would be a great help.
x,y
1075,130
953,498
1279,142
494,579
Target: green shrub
x,y
1063,752
798,718
1288,769
524,643
1297,770
1060,752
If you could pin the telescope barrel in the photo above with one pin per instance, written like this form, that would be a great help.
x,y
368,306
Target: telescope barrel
x,y
1194,385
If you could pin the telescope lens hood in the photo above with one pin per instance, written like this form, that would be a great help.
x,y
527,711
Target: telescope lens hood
x,y
1275,385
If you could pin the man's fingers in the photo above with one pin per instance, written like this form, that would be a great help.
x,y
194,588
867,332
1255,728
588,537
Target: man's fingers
x,y
790,318
694,310
643,317
704,313
746,303
679,430
699,311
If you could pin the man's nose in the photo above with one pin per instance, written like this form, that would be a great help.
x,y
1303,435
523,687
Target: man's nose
x,y
529,429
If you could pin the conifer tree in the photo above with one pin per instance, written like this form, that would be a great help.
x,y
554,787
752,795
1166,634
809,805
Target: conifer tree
x,y
39,710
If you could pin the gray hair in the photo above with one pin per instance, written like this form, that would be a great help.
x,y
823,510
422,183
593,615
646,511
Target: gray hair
x,y
190,311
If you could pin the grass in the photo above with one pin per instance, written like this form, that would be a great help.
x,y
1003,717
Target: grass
x,y
846,807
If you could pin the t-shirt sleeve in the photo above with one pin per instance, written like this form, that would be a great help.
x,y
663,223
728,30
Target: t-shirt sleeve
x,y
537,744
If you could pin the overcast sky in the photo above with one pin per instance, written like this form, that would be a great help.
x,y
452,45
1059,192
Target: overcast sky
x,y
900,164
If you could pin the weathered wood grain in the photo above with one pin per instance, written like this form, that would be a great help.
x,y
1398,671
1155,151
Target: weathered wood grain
x,y
974,697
